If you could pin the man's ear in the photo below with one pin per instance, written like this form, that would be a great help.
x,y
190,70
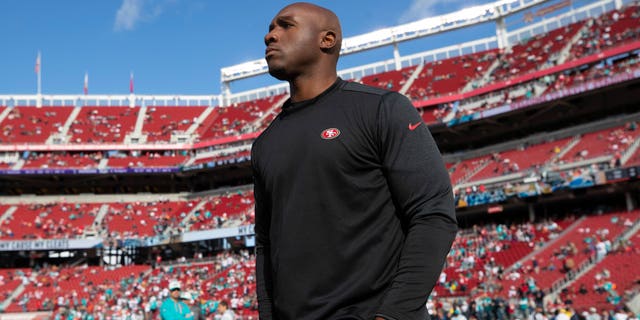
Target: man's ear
x,y
328,40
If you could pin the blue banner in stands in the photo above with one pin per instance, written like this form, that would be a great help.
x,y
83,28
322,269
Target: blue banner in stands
x,y
48,244
218,233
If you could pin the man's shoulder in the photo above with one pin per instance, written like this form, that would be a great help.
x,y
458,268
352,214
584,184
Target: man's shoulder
x,y
363,88
371,94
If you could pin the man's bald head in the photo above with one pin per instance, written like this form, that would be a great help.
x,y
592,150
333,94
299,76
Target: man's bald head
x,y
325,20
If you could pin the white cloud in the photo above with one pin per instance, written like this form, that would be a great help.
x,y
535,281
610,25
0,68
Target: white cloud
x,y
132,12
420,9
128,15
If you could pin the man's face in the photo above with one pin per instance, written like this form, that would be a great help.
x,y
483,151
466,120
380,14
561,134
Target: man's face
x,y
175,294
292,43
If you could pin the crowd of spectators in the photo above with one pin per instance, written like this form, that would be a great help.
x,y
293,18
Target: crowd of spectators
x,y
525,297
609,292
206,283
498,308
135,292
479,256
230,277
610,29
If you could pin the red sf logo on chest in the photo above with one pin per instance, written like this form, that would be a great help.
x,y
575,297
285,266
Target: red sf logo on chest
x,y
330,133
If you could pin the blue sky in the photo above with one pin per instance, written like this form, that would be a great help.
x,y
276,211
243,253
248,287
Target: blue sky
x,y
171,46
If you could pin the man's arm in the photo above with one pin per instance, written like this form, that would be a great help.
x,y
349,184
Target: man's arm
x,y
264,285
165,312
421,190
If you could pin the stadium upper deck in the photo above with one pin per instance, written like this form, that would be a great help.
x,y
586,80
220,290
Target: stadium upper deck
x,y
461,75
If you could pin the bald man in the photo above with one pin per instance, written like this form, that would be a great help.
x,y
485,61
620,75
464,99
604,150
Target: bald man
x,y
354,209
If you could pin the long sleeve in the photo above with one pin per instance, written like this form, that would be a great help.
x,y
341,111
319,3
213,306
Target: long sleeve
x,y
421,189
165,312
263,249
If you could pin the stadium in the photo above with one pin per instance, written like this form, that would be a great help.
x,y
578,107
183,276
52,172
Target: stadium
x,y
106,199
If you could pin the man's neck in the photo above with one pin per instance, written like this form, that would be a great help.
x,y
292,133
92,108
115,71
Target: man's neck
x,y
308,87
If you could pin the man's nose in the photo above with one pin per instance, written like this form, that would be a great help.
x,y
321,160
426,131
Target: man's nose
x,y
270,37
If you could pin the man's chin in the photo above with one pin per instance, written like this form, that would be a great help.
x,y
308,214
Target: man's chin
x,y
278,73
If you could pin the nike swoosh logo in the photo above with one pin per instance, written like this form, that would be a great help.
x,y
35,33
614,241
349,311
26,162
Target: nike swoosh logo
x,y
414,126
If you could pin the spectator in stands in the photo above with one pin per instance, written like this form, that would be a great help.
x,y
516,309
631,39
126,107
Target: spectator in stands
x,y
194,305
355,205
227,314
583,289
173,308
568,264
593,314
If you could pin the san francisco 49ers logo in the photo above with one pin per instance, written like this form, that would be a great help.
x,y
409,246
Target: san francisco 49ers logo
x,y
330,133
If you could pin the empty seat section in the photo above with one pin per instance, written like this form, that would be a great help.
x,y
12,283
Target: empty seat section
x,y
466,167
610,141
6,165
234,207
10,279
47,285
448,76
63,160
142,219
148,160
430,114
49,221
161,121
390,80
232,120
520,160
103,124
224,158
32,124
534,53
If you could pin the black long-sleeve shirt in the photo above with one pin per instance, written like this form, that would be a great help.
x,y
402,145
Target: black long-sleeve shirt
x,y
354,209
